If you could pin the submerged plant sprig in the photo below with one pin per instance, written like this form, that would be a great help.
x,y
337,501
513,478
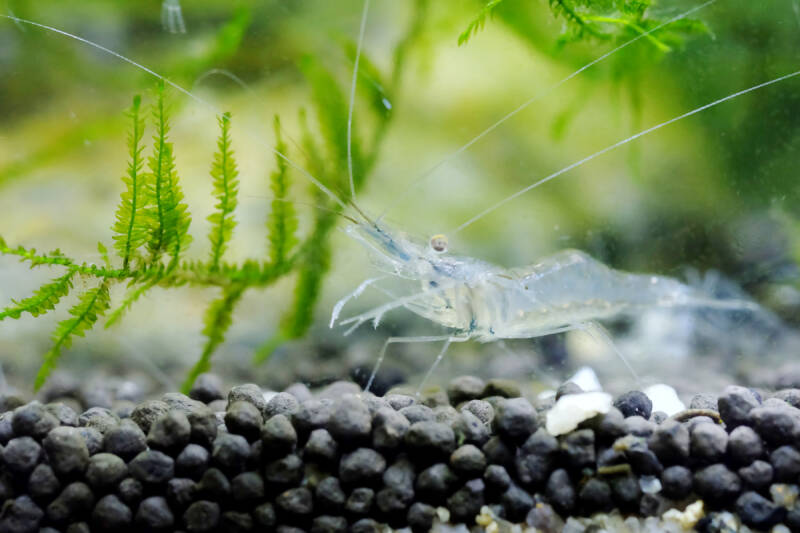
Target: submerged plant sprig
x,y
151,224
282,221
167,217
152,220
92,305
597,19
130,228
226,188
43,300
151,234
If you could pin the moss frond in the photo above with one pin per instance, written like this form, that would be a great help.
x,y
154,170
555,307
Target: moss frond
x,y
618,20
316,260
314,264
29,254
131,297
282,220
217,321
331,110
477,24
577,24
103,251
130,227
44,299
92,305
226,188
371,81
168,220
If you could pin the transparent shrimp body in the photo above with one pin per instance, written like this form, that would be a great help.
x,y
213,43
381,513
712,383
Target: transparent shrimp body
x,y
477,300
488,302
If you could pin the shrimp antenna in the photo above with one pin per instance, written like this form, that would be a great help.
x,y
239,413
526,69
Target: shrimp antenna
x,y
622,143
362,213
225,73
353,98
533,99
177,87
304,204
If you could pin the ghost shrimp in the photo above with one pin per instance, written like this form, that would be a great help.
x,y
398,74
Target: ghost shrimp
x,y
478,300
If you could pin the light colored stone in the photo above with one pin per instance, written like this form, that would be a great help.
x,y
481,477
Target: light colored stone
x,y
572,409
586,379
664,399
686,518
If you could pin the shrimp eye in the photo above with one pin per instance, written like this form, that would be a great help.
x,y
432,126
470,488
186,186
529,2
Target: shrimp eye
x,y
439,243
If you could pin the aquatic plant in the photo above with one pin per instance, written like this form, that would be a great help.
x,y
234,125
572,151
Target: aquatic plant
x,y
152,221
604,20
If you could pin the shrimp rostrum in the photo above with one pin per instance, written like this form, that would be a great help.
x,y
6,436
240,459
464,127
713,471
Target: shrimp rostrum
x,y
478,300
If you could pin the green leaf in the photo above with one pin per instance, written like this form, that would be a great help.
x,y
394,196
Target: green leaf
x,y
577,24
92,305
282,220
226,187
311,272
131,297
371,80
230,36
313,267
168,218
103,251
130,225
315,161
331,108
44,299
217,321
478,22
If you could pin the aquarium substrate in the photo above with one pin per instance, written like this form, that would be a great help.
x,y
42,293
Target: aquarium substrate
x,y
476,457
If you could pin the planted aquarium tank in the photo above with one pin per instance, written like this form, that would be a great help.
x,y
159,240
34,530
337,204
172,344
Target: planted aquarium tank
x,y
494,265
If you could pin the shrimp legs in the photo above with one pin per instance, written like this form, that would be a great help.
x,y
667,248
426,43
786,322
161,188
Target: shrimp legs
x,y
448,339
593,329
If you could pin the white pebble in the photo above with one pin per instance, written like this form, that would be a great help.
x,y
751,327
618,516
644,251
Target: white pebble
x,y
572,409
586,379
686,518
664,399
650,484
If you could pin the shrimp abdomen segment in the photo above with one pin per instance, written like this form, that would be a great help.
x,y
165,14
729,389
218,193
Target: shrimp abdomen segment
x,y
571,287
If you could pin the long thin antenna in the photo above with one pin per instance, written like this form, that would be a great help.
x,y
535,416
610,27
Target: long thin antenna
x,y
531,100
621,143
353,99
177,87
250,91
113,53
304,204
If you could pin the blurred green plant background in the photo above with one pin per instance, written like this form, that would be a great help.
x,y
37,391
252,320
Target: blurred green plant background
x,y
717,192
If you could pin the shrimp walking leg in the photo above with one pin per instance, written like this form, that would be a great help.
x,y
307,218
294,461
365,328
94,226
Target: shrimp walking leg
x,y
599,333
439,358
355,294
539,374
403,340
376,313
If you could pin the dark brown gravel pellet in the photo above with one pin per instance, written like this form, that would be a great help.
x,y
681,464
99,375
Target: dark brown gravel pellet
x,y
342,460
